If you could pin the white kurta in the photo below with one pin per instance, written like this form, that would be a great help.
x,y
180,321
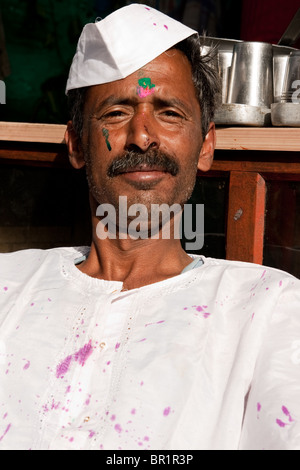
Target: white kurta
x,y
209,359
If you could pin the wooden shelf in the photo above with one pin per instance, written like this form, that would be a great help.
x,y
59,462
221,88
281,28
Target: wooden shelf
x,y
228,138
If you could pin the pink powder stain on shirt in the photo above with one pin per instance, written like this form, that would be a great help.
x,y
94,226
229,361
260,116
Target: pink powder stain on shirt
x,y
6,431
202,309
165,26
118,428
55,406
80,356
5,288
27,365
84,353
155,323
280,423
63,367
166,411
287,413
258,406
117,346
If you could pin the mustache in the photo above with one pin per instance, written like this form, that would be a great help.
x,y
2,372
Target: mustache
x,y
152,159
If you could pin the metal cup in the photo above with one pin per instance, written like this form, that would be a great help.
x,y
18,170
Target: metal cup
x,y
291,87
251,77
224,64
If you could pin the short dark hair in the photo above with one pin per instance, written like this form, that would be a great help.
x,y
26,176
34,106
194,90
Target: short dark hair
x,y
205,78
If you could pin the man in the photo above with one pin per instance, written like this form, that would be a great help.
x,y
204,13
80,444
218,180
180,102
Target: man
x,y
131,343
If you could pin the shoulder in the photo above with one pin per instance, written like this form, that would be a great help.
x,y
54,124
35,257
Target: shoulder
x,y
246,268
242,278
19,266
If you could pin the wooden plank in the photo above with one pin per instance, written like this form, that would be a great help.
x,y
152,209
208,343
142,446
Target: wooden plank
x,y
228,138
246,217
256,166
258,138
32,132
37,154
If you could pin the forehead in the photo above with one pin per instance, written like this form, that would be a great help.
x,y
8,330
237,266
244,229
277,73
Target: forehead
x,y
170,74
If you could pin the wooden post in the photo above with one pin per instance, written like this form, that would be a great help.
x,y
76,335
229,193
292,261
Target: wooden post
x,y
246,217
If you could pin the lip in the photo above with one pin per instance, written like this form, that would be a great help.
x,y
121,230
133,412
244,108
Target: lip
x,y
144,173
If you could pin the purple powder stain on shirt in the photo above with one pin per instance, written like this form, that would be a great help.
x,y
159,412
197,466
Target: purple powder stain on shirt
x,y
117,346
167,411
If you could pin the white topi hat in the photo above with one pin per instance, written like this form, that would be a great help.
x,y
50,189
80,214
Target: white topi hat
x,y
122,43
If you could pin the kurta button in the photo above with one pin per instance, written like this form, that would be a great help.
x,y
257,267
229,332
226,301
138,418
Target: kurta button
x,y
102,345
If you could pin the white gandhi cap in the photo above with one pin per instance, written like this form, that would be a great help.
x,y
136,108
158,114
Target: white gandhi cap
x,y
122,43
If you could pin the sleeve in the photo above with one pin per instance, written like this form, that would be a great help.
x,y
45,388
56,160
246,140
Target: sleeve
x,y
272,412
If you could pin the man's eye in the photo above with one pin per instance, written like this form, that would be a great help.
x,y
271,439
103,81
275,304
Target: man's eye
x,y
171,113
113,114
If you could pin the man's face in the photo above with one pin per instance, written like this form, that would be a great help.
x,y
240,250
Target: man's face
x,y
142,135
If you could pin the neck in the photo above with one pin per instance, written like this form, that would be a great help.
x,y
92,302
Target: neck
x,y
135,263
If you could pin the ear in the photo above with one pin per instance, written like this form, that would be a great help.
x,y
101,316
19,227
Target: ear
x,y
74,147
207,151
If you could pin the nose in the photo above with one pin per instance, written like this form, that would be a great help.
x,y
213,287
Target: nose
x,y
142,132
